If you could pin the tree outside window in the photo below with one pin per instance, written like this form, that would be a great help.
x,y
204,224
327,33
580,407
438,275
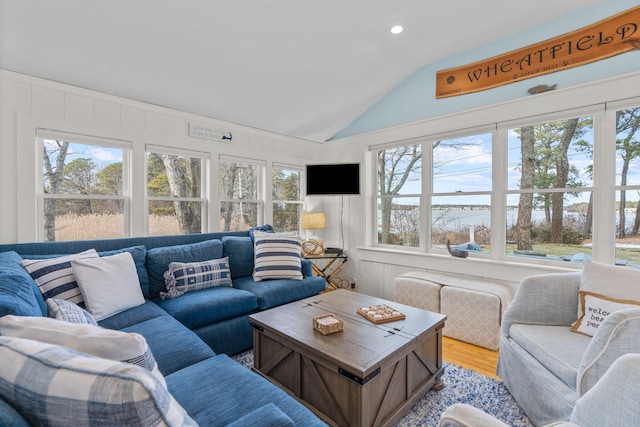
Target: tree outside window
x,y
549,202
628,186
399,194
83,190
175,193
287,205
238,185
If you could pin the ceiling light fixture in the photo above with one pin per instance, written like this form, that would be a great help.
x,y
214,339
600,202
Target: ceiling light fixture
x,y
397,29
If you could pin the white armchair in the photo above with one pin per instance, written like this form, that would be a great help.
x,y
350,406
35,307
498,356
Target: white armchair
x,y
611,402
546,366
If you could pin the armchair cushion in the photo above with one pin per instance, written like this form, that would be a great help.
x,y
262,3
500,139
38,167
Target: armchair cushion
x,y
556,347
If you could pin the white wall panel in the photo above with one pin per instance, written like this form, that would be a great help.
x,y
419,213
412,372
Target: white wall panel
x,y
107,114
47,101
132,119
79,108
155,124
28,103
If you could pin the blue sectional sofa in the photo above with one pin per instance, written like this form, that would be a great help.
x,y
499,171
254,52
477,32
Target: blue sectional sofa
x,y
188,335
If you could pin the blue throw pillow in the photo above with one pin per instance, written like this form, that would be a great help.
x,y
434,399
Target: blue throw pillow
x,y
185,277
240,252
19,294
158,260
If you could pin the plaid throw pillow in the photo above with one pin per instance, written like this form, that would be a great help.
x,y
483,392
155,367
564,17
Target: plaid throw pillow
x,y
276,256
185,277
69,312
128,347
73,388
55,278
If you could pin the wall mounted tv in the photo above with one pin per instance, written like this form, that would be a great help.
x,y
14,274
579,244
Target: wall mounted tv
x,y
333,179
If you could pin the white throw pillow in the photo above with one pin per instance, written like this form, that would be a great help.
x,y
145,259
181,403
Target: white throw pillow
x,y
604,289
109,284
127,347
55,278
276,256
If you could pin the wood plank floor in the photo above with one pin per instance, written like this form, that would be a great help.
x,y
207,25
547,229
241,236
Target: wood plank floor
x,y
469,356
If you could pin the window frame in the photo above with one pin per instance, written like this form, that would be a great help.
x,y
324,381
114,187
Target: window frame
x,y
299,202
43,134
204,191
260,186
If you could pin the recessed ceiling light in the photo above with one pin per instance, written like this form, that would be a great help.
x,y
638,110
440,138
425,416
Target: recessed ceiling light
x,y
397,29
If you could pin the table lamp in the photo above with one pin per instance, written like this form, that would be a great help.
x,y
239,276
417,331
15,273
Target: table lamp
x,y
313,245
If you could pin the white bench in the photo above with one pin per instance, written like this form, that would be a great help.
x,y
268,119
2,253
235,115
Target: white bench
x,y
474,308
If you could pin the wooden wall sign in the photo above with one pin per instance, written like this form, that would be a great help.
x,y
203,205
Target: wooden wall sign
x,y
612,36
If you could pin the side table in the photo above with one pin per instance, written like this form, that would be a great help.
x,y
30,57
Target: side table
x,y
330,269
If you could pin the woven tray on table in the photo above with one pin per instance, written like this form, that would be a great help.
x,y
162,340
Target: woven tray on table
x,y
328,324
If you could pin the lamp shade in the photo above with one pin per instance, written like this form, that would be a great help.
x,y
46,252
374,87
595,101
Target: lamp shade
x,y
313,220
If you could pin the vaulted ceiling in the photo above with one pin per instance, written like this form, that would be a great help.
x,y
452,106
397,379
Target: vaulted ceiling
x,y
295,67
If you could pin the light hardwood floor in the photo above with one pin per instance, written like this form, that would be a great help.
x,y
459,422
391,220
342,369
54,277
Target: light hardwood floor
x,y
469,356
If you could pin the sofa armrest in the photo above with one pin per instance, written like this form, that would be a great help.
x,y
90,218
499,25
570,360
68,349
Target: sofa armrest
x,y
268,415
307,270
616,336
546,299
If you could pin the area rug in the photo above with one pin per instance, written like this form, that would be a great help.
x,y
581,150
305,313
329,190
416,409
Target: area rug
x,y
460,386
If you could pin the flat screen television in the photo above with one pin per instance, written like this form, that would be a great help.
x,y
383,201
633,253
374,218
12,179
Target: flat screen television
x,y
333,179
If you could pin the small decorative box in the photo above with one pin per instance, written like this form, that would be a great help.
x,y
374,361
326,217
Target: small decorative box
x,y
328,324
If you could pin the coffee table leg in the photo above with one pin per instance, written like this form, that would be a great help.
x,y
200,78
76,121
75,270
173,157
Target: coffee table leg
x,y
438,385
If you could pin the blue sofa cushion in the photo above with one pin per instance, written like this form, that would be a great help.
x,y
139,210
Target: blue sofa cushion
x,y
240,253
272,293
139,314
207,306
218,391
19,294
268,415
158,260
173,345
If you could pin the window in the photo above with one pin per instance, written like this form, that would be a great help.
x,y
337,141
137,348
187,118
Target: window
x,y
627,251
83,187
239,191
287,205
399,192
550,176
462,184
175,191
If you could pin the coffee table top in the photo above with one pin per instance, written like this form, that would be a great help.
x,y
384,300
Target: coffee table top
x,y
363,345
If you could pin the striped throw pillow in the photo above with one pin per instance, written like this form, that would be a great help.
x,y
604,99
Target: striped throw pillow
x,y
276,256
55,278
184,277
73,388
62,309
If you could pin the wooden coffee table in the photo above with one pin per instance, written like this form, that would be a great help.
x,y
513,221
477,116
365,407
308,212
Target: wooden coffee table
x,y
367,375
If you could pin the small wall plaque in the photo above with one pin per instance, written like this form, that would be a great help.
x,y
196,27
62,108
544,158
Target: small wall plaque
x,y
206,132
